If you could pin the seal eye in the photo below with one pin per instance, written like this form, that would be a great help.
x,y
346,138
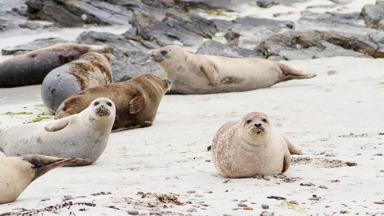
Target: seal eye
x,y
163,52
264,120
248,121
96,103
109,104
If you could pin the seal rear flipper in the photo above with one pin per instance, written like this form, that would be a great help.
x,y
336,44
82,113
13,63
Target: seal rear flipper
x,y
58,124
137,103
293,149
42,164
291,73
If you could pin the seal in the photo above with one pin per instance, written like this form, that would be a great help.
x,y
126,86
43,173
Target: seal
x,y
251,147
205,74
84,135
90,70
136,100
30,68
16,173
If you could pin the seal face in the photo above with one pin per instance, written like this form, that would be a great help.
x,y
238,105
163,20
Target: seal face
x,y
204,74
90,70
16,173
31,68
251,147
136,100
84,135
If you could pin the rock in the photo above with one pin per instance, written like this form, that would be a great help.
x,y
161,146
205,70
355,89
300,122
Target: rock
x,y
373,15
252,30
133,212
78,13
130,58
188,30
229,50
266,213
316,44
266,3
191,210
265,206
36,44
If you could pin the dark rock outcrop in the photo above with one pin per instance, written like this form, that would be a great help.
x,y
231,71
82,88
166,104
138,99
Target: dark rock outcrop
x,y
36,44
373,15
130,58
316,44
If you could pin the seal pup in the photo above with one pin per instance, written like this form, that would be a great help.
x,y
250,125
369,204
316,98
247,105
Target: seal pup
x,y
136,100
16,173
30,68
205,74
84,135
90,70
251,147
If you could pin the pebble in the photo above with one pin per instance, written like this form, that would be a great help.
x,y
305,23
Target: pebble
x,y
242,205
191,191
191,210
265,206
343,212
133,212
323,187
266,213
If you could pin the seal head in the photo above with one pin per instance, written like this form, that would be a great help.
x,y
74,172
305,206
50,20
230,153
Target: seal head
x,y
256,128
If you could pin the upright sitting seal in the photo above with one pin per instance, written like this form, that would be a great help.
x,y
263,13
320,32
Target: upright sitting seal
x,y
90,70
16,173
31,68
251,147
204,74
136,100
84,135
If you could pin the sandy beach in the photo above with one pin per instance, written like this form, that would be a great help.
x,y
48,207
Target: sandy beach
x,y
337,118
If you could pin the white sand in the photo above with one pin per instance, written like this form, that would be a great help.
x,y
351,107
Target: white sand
x,y
318,114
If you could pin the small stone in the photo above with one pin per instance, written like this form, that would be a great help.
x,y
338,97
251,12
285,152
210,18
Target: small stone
x,y
133,212
323,187
308,184
294,202
191,210
265,206
266,213
351,163
191,191
208,161
248,208
242,205
343,212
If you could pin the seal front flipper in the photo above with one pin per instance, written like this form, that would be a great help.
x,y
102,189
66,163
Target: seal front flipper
x,y
57,125
137,103
211,72
287,161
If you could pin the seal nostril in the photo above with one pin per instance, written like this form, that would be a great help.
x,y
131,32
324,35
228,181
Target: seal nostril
x,y
257,125
163,52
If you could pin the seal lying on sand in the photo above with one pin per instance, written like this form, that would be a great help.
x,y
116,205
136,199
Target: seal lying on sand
x,y
251,147
31,68
84,135
204,74
90,70
16,173
136,100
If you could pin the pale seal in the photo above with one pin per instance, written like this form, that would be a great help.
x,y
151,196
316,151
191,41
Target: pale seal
x,y
16,173
204,74
31,68
90,70
136,100
84,135
251,147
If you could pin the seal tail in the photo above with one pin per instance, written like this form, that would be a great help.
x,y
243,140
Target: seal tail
x,y
42,164
291,73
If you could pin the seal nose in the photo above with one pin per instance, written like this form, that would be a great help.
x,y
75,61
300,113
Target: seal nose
x,y
257,125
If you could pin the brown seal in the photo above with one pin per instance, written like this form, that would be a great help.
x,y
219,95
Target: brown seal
x,y
136,100
90,70
31,68
16,173
251,147
204,74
